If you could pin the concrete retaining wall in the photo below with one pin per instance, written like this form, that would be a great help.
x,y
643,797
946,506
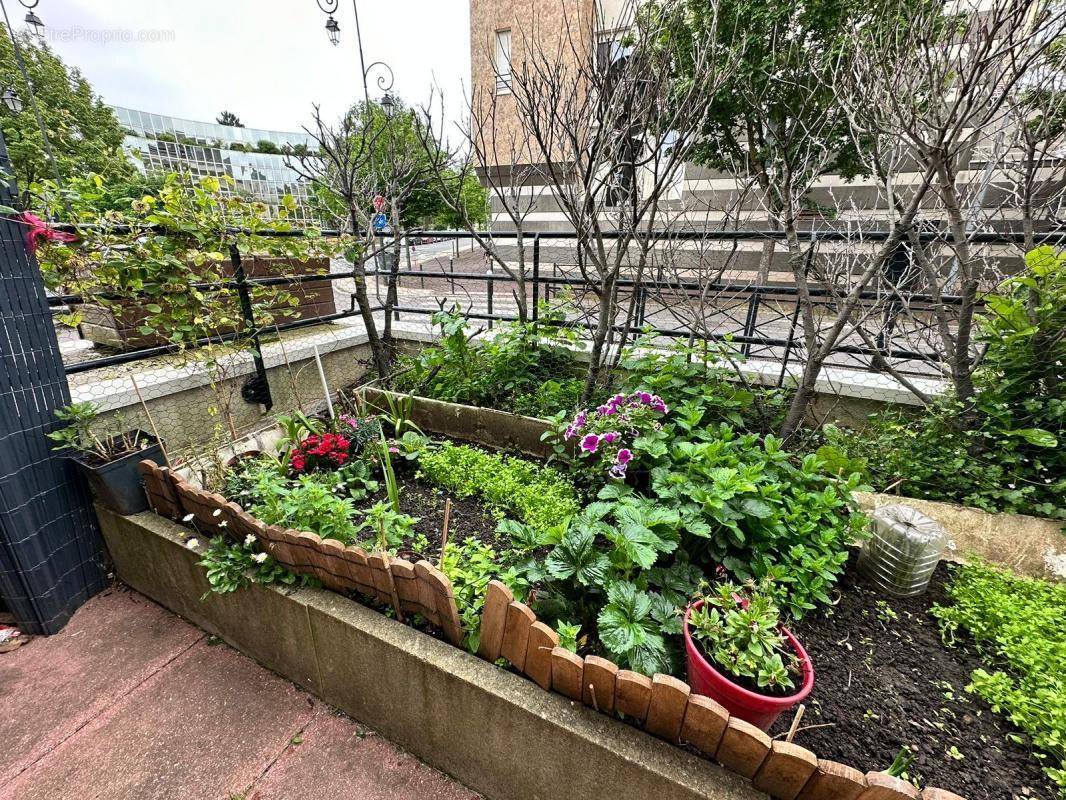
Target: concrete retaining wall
x,y
494,731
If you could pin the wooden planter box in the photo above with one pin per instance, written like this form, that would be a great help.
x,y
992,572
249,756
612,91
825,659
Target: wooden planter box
x,y
118,326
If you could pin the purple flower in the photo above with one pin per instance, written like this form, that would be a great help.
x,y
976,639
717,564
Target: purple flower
x,y
611,437
645,398
607,410
618,471
590,443
625,455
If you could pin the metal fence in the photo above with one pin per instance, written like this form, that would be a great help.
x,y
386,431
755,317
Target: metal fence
x,y
691,294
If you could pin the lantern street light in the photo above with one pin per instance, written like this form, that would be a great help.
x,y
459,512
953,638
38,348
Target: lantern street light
x,y
333,30
386,79
11,100
388,104
35,23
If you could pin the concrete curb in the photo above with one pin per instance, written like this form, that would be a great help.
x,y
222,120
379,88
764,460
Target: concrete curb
x,y
494,731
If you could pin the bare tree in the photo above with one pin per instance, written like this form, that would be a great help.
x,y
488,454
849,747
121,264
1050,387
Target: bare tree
x,y
611,130
934,98
353,160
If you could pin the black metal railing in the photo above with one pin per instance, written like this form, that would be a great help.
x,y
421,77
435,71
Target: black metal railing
x,y
749,331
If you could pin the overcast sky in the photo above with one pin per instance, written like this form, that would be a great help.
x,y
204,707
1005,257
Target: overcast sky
x,y
265,60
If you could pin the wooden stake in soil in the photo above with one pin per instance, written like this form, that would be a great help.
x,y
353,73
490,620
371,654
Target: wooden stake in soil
x,y
796,723
151,422
444,530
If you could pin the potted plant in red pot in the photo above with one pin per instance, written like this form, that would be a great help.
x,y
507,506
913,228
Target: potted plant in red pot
x,y
741,655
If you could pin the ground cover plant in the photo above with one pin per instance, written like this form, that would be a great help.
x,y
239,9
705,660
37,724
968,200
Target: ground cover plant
x,y
1017,625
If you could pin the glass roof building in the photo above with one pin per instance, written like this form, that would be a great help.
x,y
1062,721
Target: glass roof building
x,y
158,142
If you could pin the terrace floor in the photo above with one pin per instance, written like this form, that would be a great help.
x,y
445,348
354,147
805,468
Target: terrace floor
x,y
130,701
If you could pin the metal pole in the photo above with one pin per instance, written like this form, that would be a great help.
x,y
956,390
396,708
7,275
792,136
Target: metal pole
x,y
325,384
362,63
33,102
750,322
536,277
257,389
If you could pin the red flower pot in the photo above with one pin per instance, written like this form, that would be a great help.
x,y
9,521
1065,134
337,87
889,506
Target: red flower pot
x,y
760,710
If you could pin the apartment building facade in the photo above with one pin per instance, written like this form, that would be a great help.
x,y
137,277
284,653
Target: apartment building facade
x,y
699,198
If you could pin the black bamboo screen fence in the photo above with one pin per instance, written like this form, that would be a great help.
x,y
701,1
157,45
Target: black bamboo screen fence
x,y
51,556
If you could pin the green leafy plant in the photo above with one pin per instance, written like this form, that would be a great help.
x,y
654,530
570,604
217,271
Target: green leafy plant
x,y
388,527
470,565
538,496
307,505
521,368
230,566
739,628
1017,626
1003,450
746,504
78,434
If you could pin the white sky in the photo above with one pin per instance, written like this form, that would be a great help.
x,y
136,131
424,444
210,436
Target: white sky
x,y
265,60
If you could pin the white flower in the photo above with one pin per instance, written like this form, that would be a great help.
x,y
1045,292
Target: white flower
x,y
223,524
188,518
259,558
192,544
217,512
249,540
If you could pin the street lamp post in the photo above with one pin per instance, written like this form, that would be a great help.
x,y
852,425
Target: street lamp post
x,y
386,79
34,22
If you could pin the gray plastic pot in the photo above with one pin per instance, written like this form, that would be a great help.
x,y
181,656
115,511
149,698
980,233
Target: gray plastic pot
x,y
117,484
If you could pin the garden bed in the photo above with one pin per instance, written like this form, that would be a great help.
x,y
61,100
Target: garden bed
x,y
885,680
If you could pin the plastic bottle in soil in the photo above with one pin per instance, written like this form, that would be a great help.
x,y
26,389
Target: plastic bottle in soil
x,y
903,550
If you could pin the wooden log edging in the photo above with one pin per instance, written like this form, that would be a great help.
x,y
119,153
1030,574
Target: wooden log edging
x,y
409,589
666,708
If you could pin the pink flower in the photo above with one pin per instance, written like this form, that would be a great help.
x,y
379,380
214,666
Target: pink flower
x,y
625,455
611,437
590,443
645,398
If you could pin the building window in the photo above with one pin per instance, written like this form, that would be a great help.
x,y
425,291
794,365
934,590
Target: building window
x,y
503,62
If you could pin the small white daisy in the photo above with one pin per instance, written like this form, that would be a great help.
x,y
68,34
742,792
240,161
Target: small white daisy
x,y
249,540
192,544
188,518
217,512
223,524
259,558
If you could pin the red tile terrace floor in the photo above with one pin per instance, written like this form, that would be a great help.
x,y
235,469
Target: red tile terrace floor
x,y
130,701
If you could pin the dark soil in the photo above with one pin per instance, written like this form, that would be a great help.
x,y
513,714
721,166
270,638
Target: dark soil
x,y
884,679
469,519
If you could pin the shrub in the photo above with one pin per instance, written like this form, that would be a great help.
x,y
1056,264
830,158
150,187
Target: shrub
x,y
309,505
1017,624
510,371
1002,452
539,496
760,512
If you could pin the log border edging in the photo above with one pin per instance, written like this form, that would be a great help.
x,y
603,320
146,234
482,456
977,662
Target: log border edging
x,y
415,589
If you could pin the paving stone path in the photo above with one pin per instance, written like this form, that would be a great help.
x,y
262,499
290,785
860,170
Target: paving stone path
x,y
129,701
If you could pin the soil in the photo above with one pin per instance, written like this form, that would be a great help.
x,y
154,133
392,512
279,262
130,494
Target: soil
x,y
884,679
469,519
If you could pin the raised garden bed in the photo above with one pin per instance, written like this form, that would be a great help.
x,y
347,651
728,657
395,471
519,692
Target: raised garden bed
x,y
663,705
118,326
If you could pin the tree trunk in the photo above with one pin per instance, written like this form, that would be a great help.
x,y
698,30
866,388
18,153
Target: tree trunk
x,y
599,338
